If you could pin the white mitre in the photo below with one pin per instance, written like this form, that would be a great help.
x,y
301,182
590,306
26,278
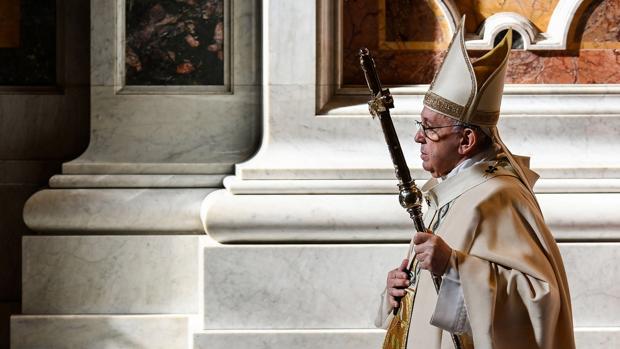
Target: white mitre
x,y
471,93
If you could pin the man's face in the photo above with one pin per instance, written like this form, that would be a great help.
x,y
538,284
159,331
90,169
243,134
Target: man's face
x,y
441,156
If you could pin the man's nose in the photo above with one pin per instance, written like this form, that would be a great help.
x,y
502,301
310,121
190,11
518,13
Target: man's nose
x,y
419,137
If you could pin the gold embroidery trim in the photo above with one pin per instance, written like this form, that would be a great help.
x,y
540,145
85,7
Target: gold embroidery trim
x,y
443,105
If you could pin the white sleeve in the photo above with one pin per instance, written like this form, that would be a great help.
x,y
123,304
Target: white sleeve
x,y
384,311
450,311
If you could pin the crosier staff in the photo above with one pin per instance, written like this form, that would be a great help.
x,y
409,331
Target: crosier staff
x,y
410,198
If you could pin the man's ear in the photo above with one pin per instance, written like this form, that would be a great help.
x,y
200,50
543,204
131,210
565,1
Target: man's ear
x,y
469,140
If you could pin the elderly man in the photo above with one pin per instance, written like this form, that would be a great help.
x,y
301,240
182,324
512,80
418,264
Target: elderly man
x,y
503,281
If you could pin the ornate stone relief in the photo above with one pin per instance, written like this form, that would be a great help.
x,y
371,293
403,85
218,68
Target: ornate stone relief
x,y
559,42
554,38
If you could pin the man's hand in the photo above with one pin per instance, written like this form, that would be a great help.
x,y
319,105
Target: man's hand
x,y
432,252
397,281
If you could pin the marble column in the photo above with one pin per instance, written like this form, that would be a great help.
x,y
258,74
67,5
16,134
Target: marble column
x,y
117,261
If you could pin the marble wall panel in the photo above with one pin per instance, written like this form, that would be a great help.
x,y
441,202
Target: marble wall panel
x,y
593,276
174,128
323,339
597,26
588,66
272,285
100,332
110,274
585,338
286,47
597,338
116,211
295,286
592,55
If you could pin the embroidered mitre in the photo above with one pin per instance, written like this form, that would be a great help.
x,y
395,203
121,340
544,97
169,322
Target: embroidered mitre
x,y
470,92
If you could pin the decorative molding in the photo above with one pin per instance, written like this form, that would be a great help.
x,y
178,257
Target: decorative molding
x,y
238,186
328,50
115,211
498,22
136,181
555,38
230,218
518,99
77,167
155,331
586,337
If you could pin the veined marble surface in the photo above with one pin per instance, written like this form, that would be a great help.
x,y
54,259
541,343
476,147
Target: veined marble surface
x,y
201,129
285,339
110,274
352,147
586,338
295,286
278,287
116,211
593,282
136,181
294,218
100,332
378,217
597,337
237,186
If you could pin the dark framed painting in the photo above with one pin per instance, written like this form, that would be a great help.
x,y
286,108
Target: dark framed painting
x,y
9,23
28,42
175,42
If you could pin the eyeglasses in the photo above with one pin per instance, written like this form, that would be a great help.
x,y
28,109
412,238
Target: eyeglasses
x,y
430,133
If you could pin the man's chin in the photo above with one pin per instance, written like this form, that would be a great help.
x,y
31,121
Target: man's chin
x,y
427,167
